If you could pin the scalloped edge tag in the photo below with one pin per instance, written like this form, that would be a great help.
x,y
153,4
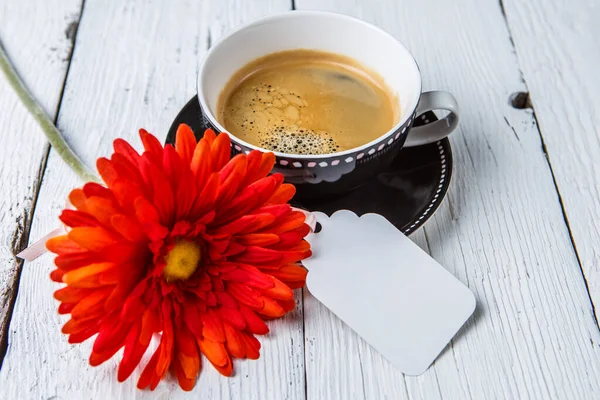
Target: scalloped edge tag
x,y
388,290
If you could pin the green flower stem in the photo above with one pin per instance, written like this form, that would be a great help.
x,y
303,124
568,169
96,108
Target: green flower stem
x,y
54,136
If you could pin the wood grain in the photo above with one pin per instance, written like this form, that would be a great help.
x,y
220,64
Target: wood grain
x,y
559,56
500,231
136,71
38,40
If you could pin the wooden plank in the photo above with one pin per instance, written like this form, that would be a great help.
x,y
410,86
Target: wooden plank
x,y
38,40
500,231
558,53
137,71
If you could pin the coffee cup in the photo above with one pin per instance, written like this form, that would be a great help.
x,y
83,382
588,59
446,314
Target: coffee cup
x,y
335,173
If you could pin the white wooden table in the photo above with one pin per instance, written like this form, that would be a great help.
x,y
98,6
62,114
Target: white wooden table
x,y
520,225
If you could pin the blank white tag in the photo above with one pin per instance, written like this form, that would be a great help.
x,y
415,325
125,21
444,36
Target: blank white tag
x,y
392,293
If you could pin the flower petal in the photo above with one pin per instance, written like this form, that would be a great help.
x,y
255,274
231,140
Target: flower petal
x,y
258,239
253,322
256,278
74,218
185,142
66,308
283,194
71,261
291,238
124,287
186,195
78,277
226,369
127,227
163,198
77,198
254,160
292,220
149,219
151,143
193,319
232,317
212,326
279,290
234,344
71,295
123,148
207,198
251,344
135,348
226,299
214,351
240,224
56,275
63,245
187,362
209,136
126,169
245,295
271,308
107,172
277,210
221,149
248,199
165,347
90,303
287,305
201,163
267,161
93,189
85,333
231,178
92,238
110,339
290,273
102,209
149,372
258,255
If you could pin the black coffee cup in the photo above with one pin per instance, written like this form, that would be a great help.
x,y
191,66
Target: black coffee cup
x,y
335,173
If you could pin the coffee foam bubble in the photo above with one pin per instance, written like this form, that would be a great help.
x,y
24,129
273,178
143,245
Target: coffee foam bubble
x,y
298,141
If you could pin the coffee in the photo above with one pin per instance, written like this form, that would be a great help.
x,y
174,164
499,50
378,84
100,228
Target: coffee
x,y
306,102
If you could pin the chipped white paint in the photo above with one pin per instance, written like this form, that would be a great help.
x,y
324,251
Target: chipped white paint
x,y
557,48
35,37
500,231
136,71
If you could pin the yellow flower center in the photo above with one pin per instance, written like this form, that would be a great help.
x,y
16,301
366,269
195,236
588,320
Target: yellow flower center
x,y
182,261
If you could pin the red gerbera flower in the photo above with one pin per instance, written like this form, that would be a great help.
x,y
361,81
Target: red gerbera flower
x,y
182,241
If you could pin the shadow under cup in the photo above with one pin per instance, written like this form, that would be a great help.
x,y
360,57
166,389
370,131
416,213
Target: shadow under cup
x,y
328,174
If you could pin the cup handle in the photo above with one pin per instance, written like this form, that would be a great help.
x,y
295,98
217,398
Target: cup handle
x,y
436,130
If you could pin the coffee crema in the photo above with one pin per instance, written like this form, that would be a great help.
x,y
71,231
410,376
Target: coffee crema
x,y
306,102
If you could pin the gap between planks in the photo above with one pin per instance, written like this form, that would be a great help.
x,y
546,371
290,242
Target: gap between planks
x,y
531,105
20,238
19,242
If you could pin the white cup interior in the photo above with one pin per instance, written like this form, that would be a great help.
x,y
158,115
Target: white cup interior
x,y
374,48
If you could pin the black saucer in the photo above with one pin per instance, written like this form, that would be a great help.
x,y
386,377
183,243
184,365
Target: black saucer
x,y
407,193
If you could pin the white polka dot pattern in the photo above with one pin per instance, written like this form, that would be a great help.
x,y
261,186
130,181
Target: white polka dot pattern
x,y
437,193
333,163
